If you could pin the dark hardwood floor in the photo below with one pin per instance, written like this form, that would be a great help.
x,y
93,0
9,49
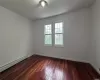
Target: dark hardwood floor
x,y
46,68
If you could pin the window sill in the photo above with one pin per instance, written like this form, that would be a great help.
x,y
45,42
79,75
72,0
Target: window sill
x,y
59,46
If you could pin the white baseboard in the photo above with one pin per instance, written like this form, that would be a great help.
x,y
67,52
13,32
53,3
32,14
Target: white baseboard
x,y
8,65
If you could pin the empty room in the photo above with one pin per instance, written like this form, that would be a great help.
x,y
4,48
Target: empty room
x,y
49,39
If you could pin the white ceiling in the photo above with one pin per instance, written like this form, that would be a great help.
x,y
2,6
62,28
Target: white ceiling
x,y
31,9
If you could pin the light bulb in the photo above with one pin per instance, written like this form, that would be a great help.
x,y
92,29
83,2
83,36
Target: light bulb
x,y
43,3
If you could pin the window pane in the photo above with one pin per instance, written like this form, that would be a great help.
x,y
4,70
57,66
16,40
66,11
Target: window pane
x,y
48,39
48,29
58,39
59,27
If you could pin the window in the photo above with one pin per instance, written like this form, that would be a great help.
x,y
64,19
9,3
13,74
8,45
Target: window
x,y
48,34
59,34
54,35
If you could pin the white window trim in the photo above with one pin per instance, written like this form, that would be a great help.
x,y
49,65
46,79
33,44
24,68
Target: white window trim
x,y
48,34
53,35
58,33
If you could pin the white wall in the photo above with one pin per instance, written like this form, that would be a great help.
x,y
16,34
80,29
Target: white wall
x,y
96,34
15,34
76,36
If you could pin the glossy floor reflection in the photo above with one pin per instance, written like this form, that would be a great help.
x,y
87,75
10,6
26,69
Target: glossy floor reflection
x,y
45,68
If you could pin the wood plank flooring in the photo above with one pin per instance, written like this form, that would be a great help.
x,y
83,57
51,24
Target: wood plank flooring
x,y
46,68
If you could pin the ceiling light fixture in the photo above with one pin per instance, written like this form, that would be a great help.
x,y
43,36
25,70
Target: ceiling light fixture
x,y
43,3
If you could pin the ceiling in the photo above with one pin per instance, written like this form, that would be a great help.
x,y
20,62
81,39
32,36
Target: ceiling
x,y
31,9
